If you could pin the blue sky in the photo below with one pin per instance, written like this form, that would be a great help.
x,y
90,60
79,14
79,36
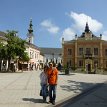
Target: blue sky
x,y
53,19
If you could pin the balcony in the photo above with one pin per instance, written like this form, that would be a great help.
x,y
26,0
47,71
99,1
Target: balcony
x,y
88,56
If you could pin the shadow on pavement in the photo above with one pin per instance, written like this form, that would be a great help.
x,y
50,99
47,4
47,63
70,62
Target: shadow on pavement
x,y
93,99
33,100
75,86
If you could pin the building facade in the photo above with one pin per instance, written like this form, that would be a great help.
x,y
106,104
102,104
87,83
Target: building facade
x,y
87,51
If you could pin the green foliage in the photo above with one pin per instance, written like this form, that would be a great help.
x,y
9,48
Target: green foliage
x,y
14,49
83,69
15,46
25,57
3,51
74,68
66,69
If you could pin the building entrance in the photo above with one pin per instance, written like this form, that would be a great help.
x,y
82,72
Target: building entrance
x,y
89,67
88,63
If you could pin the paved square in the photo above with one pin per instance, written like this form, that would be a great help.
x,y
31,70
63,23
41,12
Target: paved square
x,y
22,89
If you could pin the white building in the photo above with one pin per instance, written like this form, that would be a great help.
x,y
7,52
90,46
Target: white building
x,y
33,51
52,55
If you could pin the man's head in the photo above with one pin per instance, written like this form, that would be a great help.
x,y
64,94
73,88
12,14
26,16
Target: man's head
x,y
50,64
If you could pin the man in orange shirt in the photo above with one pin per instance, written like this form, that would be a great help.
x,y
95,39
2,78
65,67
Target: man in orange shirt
x,y
52,80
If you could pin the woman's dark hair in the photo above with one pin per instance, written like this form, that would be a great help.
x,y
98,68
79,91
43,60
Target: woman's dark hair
x,y
45,67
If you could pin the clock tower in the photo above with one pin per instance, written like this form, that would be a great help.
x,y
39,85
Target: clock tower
x,y
30,35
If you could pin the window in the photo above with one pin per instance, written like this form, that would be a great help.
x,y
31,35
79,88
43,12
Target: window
x,y
80,63
80,51
95,51
69,51
88,51
32,54
106,52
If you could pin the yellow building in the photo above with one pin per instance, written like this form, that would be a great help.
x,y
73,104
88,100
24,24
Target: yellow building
x,y
86,52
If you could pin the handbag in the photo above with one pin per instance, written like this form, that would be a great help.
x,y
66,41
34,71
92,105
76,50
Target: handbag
x,y
47,91
41,92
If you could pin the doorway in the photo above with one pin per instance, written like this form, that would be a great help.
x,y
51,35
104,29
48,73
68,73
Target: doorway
x,y
89,67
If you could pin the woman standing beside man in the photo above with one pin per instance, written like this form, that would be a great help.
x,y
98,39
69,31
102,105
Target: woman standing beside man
x,y
44,83
49,76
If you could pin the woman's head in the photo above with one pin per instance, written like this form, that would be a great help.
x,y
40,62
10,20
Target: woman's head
x,y
45,68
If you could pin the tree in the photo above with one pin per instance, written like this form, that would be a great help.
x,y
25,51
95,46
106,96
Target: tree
x,y
15,47
3,53
25,57
1,45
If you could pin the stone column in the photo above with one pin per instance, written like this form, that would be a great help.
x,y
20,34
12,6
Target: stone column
x,y
75,53
63,51
101,56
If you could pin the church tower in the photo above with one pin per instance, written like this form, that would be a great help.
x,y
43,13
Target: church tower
x,y
87,32
30,36
87,28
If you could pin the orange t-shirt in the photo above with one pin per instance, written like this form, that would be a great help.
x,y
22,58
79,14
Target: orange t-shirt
x,y
52,76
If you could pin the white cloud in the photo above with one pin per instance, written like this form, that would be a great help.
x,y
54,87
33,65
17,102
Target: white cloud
x,y
81,19
68,34
79,25
49,26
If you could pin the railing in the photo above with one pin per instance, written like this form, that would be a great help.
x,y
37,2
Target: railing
x,y
88,56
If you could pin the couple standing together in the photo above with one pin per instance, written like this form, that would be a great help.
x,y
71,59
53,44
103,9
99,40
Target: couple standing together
x,y
49,77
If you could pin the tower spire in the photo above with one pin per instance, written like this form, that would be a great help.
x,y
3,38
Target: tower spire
x,y
87,28
30,35
30,30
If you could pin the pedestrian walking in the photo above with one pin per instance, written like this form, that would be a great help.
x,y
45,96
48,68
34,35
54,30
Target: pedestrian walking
x,y
44,83
52,80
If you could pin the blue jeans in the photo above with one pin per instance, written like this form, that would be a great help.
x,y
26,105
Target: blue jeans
x,y
52,92
44,89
